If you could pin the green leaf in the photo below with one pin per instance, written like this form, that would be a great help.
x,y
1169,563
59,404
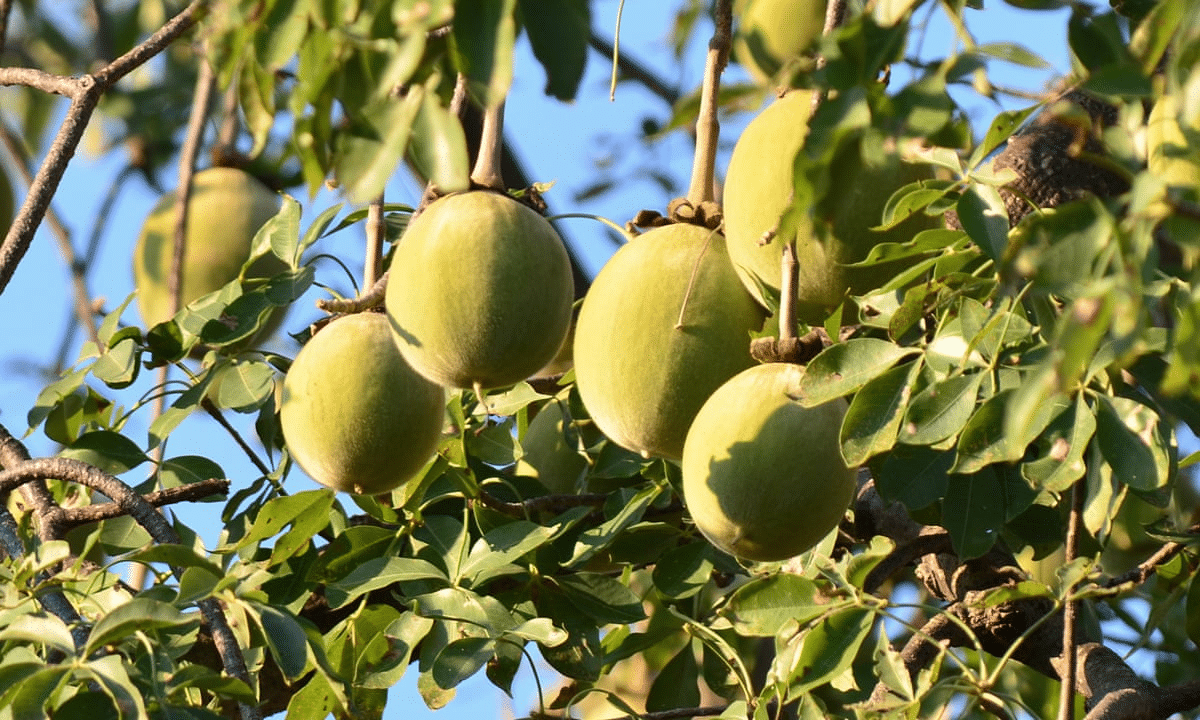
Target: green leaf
x,y
43,630
683,571
602,598
941,410
1130,437
110,674
974,510
367,156
379,573
138,615
913,475
455,603
596,539
285,639
439,147
984,217
761,607
119,366
483,37
280,512
445,540
558,31
177,556
845,367
501,546
677,684
242,384
110,451
188,469
1065,441
460,660
873,420
983,440
1003,126
825,651
27,700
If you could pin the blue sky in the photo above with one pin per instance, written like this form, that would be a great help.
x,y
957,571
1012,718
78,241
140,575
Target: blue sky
x,y
559,142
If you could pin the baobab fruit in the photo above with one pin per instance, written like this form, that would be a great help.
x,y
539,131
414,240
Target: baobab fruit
x,y
772,32
763,476
354,415
758,189
665,322
226,208
480,291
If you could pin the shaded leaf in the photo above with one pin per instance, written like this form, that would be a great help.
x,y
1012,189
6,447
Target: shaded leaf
x,y
845,367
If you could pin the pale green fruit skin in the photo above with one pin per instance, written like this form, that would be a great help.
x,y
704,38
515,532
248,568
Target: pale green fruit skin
x,y
758,189
763,477
480,291
641,378
770,32
760,167
1169,156
226,208
548,457
354,415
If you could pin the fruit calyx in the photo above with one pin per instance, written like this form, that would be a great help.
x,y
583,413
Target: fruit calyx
x,y
706,214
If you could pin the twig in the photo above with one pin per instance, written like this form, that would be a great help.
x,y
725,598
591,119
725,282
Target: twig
x,y
85,92
373,261
707,124
215,413
1150,565
132,504
5,7
552,503
835,15
1066,698
676,713
187,169
83,304
72,517
487,164
366,300
932,540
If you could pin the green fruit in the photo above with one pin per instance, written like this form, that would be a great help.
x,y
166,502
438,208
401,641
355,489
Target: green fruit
x,y
758,189
665,322
480,291
549,457
1169,155
771,32
763,477
354,415
225,210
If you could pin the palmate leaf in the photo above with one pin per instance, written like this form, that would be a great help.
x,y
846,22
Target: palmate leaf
x,y
873,419
940,410
821,653
761,607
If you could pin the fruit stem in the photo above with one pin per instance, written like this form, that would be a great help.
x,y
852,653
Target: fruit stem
x,y
707,125
373,262
835,15
487,165
787,293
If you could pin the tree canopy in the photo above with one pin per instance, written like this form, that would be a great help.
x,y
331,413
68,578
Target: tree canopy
x,y
1002,319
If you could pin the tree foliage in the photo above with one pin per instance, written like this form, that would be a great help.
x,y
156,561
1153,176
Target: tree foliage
x,y
1016,397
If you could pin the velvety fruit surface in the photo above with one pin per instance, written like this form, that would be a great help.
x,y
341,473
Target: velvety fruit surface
x,y
770,32
480,291
665,322
758,189
355,416
763,477
226,208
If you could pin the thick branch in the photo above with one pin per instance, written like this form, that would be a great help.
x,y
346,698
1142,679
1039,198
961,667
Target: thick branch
x,y
191,492
85,92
